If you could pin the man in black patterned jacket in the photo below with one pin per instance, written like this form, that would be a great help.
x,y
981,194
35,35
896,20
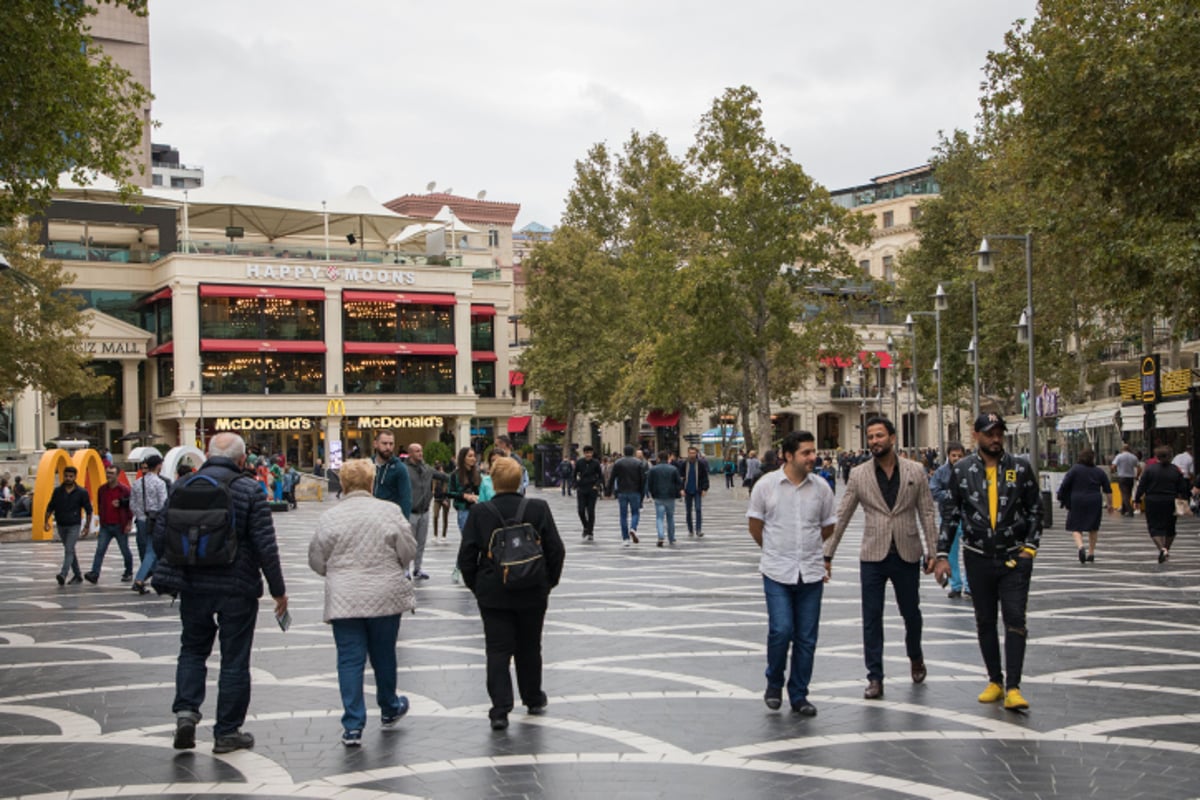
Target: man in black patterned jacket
x,y
997,500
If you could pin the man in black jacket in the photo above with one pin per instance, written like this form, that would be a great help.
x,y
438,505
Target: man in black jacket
x,y
512,618
694,472
996,499
222,601
629,480
589,480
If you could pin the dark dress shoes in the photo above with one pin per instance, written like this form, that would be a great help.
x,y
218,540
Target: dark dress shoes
x,y
918,671
874,690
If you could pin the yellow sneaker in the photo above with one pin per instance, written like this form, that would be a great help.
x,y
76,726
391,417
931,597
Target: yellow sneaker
x,y
992,693
1014,702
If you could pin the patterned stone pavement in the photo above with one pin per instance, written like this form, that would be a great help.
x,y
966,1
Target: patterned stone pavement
x,y
654,661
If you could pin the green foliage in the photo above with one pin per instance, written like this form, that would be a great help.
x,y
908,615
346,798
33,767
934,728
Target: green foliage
x,y
67,108
43,324
438,452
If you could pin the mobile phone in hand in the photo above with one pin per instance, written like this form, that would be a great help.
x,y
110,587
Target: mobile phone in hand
x,y
284,620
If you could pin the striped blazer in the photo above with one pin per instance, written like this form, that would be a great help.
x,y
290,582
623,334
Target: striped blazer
x,y
914,504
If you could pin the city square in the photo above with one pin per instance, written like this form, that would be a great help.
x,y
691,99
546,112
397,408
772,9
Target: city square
x,y
653,665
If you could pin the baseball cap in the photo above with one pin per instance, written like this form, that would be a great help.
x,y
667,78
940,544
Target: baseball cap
x,y
985,422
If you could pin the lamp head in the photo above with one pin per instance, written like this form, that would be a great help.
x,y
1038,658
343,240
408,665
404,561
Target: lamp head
x,y
937,366
1022,327
908,323
940,303
985,256
891,344
970,351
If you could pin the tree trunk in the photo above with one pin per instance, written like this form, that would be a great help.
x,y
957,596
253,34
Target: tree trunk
x,y
744,410
762,396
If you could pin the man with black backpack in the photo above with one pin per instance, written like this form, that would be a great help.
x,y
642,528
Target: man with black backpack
x,y
511,556
215,541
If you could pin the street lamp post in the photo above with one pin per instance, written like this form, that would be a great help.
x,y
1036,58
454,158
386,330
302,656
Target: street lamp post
x,y
940,304
862,406
1024,327
891,348
974,349
911,326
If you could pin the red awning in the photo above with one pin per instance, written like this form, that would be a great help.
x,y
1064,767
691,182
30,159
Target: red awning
x,y
553,425
867,358
483,311
163,350
161,294
259,346
518,424
661,419
357,295
516,378
400,348
483,355
285,293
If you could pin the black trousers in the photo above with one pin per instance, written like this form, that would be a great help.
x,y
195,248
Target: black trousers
x,y
585,499
994,583
513,635
906,584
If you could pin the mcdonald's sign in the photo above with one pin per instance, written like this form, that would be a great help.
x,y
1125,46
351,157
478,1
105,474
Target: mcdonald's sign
x,y
336,407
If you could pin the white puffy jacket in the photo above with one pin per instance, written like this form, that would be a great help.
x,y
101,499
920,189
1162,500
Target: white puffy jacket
x,y
362,547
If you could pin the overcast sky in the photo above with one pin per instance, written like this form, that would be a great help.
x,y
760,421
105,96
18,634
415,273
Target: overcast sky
x,y
305,99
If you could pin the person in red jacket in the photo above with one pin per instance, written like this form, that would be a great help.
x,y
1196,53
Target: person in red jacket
x,y
116,519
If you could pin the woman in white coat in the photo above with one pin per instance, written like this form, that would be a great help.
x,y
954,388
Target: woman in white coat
x,y
363,546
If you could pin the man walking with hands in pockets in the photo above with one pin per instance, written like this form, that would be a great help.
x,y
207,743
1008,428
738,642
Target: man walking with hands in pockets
x,y
790,516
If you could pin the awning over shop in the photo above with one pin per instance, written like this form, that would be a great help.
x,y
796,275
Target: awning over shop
x,y
208,290
1072,422
165,349
1101,419
662,419
553,425
518,424
483,311
400,349
360,296
482,355
1173,414
516,378
161,294
259,346
868,358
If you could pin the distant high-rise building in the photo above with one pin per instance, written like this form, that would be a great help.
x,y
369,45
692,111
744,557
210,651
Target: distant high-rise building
x,y
125,38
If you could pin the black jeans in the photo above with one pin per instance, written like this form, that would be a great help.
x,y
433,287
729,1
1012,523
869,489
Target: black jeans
x,y
203,617
906,583
993,582
1126,486
585,499
513,634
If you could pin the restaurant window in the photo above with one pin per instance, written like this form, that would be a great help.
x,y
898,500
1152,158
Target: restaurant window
x,y
427,324
164,320
426,375
369,322
483,377
259,373
483,333
277,318
166,376
369,374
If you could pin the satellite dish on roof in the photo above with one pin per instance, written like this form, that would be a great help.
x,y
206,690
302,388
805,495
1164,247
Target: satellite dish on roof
x,y
482,194
449,190
429,187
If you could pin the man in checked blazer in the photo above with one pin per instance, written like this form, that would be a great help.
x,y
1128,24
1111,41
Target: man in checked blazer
x,y
894,494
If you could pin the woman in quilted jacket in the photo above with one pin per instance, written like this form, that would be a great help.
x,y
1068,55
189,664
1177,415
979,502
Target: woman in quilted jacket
x,y
363,547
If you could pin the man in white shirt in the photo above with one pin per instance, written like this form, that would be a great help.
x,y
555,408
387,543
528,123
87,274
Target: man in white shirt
x,y
1126,468
791,514
1185,463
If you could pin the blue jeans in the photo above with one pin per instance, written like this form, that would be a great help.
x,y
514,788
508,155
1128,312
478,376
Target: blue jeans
x,y
664,509
204,617
958,575
630,505
688,501
143,537
69,536
793,618
357,640
146,568
107,534
906,583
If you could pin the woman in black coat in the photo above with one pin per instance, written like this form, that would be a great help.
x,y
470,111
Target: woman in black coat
x,y
512,618
1161,484
1082,494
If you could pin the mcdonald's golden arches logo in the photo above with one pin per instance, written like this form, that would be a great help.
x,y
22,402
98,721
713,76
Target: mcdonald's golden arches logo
x,y
336,407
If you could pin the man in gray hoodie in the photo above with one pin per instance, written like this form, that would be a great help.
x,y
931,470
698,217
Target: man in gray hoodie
x,y
421,476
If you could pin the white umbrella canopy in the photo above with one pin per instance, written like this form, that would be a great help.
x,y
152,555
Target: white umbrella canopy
x,y
454,224
229,202
415,230
367,214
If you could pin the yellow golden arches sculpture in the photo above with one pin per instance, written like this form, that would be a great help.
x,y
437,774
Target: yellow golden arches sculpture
x,y
90,474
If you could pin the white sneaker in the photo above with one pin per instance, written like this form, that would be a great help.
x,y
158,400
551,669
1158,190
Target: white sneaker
x,y
626,543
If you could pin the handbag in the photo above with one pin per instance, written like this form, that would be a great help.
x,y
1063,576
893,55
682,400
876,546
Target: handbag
x,y
1181,507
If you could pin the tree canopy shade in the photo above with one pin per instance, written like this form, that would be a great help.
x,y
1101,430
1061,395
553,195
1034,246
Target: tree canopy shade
x,y
680,283
43,325
65,107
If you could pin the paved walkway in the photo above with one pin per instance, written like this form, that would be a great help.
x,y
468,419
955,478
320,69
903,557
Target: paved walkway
x,y
654,662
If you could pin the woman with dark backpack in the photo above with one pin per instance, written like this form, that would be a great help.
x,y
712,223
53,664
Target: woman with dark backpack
x,y
513,608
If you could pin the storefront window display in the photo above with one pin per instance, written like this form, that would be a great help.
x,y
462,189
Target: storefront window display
x,y
426,375
277,318
387,321
264,373
409,374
